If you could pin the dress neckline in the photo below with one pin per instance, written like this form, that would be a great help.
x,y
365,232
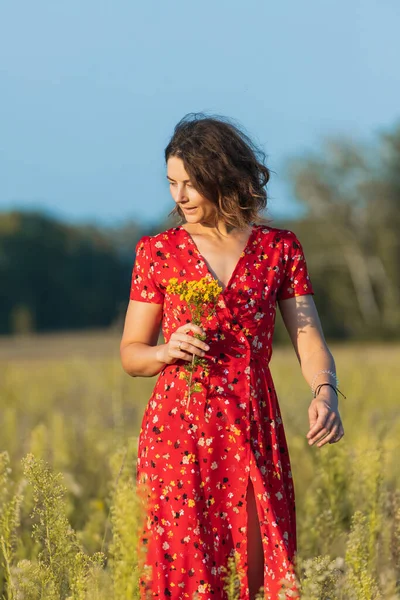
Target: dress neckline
x,y
207,268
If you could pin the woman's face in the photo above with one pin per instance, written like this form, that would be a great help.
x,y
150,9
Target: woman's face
x,y
195,207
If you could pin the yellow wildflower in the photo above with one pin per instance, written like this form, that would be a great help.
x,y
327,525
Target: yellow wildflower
x,y
198,294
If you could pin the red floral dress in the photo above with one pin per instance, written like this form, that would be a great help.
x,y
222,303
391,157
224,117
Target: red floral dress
x,y
197,466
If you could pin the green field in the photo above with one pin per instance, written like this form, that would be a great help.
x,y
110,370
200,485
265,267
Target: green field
x,y
66,400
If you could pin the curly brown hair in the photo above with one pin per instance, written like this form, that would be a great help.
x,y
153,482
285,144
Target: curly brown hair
x,y
224,165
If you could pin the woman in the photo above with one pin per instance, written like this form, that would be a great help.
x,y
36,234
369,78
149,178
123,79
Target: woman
x,y
218,474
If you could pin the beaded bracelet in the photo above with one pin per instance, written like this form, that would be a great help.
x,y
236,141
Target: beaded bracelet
x,y
336,390
324,371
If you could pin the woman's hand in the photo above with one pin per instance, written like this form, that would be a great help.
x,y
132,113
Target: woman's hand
x,y
182,345
325,422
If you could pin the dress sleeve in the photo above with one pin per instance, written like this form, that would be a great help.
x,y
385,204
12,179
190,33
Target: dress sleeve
x,y
144,287
296,280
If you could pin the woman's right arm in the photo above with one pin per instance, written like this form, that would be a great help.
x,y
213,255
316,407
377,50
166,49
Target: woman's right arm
x,y
141,356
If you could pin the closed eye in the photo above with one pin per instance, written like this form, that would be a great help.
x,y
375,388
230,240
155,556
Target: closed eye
x,y
189,185
174,183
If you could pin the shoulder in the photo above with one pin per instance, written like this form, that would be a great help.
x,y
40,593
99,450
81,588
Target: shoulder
x,y
169,234
155,242
277,236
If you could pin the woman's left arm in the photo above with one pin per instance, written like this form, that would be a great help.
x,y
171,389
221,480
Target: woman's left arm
x,y
302,322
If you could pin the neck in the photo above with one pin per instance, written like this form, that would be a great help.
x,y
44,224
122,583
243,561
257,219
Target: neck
x,y
223,228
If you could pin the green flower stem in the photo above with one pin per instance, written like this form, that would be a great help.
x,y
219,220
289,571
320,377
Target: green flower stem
x,y
190,382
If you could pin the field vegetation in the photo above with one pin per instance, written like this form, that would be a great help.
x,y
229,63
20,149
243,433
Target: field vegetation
x,y
69,513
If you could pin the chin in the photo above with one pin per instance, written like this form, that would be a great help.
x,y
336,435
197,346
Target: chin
x,y
194,218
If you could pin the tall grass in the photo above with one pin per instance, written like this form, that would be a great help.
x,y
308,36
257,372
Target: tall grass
x,y
69,512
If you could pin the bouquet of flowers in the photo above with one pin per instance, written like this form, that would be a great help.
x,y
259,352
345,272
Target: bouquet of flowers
x,y
201,296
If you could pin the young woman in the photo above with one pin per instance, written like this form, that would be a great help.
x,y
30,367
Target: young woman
x,y
218,472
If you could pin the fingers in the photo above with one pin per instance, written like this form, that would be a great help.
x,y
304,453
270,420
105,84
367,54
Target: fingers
x,y
326,423
329,434
338,436
190,345
334,436
190,327
318,420
184,346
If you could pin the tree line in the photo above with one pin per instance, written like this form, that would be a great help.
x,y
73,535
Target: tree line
x,y
56,276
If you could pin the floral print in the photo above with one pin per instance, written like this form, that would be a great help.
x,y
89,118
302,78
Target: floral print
x,y
197,466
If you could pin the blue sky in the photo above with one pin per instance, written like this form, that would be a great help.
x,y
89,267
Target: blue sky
x,y
90,91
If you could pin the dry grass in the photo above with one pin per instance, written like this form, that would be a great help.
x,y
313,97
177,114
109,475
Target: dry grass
x,y
66,400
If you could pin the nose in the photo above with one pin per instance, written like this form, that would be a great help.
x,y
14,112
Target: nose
x,y
180,193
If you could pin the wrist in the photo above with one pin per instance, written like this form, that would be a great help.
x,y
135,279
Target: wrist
x,y
326,391
325,386
160,353
326,394
324,376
